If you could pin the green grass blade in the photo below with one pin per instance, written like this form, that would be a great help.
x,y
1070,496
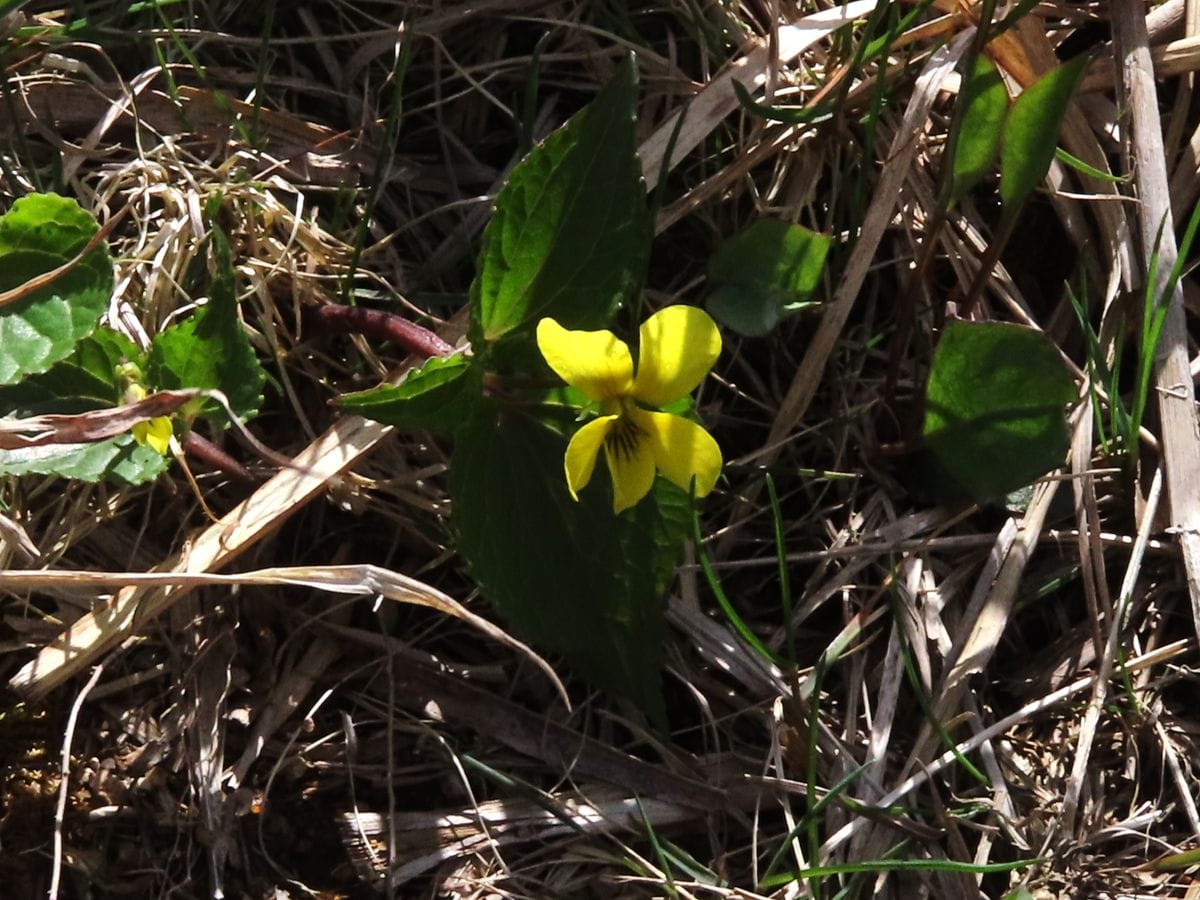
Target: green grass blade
x,y
714,584
874,867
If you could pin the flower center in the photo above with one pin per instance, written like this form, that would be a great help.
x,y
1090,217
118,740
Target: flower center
x,y
623,438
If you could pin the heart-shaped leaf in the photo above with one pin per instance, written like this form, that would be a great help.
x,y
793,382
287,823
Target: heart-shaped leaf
x,y
995,408
40,233
763,272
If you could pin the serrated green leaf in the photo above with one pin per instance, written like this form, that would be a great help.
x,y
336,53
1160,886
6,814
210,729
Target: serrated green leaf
x,y
38,234
995,408
83,381
975,141
1031,131
759,273
211,348
103,351
439,396
120,459
571,232
569,576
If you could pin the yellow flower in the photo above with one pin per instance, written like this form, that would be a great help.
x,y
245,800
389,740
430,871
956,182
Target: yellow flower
x,y
154,433
677,347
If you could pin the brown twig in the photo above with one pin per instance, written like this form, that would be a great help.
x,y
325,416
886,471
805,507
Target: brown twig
x,y
381,325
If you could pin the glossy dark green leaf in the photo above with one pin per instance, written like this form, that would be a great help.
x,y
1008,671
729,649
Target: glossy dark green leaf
x,y
1031,131
211,349
757,275
571,231
975,140
995,408
569,576
38,234
439,396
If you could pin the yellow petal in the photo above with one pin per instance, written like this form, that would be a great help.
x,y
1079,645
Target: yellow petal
x,y
630,458
678,346
582,451
682,449
154,433
595,362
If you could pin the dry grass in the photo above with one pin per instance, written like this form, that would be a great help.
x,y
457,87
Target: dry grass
x,y
280,739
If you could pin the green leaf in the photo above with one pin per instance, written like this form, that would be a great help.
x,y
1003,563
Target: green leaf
x,y
211,349
975,140
571,232
38,234
568,576
101,353
120,459
1031,132
439,396
85,380
758,274
995,408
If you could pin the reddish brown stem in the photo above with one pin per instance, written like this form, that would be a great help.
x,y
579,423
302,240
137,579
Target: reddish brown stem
x,y
382,326
201,448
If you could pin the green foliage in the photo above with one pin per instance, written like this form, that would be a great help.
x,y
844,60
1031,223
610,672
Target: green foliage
x,y
1079,165
875,866
1031,131
569,576
975,138
570,234
995,408
53,359
84,381
211,349
37,235
439,396
767,270
1125,413
118,459
1154,316
569,239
